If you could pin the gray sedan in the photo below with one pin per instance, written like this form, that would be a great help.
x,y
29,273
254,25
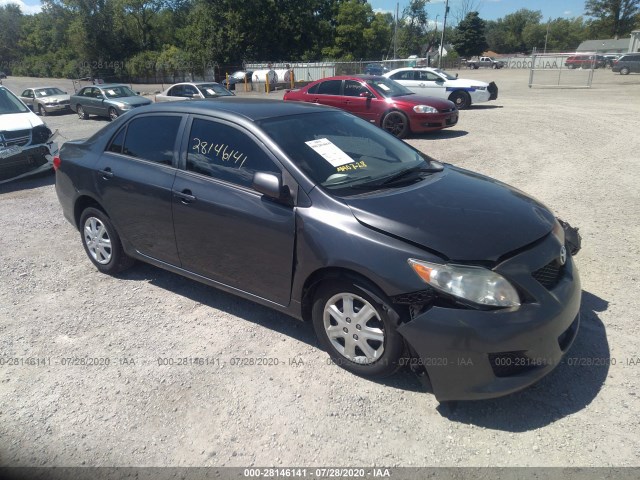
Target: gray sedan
x,y
106,100
44,100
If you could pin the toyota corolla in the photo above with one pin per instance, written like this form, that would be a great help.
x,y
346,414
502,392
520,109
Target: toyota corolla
x,y
394,257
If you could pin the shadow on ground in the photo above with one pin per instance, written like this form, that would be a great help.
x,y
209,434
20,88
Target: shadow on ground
x,y
38,180
572,386
439,135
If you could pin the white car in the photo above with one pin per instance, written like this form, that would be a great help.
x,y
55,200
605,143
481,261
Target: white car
x,y
26,143
437,83
193,91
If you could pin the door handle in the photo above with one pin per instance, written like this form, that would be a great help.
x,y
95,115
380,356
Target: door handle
x,y
106,173
185,196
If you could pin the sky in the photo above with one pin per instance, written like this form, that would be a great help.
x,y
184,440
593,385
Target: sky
x,y
489,9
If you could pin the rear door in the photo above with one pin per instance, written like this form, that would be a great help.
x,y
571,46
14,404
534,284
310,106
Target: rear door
x,y
225,230
329,93
134,177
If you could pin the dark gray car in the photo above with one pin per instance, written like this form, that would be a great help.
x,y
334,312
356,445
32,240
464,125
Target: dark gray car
x,y
627,63
394,257
106,100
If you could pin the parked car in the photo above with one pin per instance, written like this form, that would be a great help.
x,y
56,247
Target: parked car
x,y
585,61
45,100
26,143
3,75
627,63
438,83
106,100
193,91
485,62
389,253
237,77
380,101
375,69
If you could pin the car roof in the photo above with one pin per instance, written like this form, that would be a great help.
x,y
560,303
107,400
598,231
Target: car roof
x,y
250,108
194,83
39,88
108,85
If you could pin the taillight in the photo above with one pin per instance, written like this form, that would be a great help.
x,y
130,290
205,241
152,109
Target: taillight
x,y
56,162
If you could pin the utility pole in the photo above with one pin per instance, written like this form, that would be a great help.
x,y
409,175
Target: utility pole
x,y
395,33
546,37
444,26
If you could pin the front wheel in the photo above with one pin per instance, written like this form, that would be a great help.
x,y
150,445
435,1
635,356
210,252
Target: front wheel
x,y
42,111
625,71
113,113
396,123
357,330
82,115
461,99
102,243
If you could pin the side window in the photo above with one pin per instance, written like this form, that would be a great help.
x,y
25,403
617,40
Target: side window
x,y
152,138
330,87
405,75
353,88
26,93
176,91
226,153
116,144
190,90
87,92
313,90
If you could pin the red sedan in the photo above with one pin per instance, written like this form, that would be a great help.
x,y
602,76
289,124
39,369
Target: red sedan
x,y
381,101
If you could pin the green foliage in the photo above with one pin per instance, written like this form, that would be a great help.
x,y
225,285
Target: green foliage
x,y
469,38
414,36
612,18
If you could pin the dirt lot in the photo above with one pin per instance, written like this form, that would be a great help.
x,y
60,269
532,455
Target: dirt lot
x,y
577,150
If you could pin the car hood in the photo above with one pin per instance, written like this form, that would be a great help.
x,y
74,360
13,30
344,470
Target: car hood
x,y
136,100
412,100
461,215
19,121
55,98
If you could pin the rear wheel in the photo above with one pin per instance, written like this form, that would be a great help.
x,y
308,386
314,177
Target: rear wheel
x,y
396,123
82,115
113,113
461,99
625,71
102,243
356,329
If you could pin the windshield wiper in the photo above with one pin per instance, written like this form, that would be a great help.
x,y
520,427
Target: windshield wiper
x,y
404,174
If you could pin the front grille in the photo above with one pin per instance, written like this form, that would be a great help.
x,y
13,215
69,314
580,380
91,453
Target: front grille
x,y
16,137
415,298
448,110
549,275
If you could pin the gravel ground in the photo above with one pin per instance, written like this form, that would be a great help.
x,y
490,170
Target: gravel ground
x,y
577,150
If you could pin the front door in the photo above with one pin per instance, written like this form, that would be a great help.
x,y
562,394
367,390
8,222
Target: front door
x,y
225,230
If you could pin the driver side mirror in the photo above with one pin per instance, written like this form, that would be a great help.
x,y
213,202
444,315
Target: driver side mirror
x,y
367,95
270,185
456,75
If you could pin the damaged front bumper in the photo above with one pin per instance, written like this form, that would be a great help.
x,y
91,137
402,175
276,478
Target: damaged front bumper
x,y
17,162
469,354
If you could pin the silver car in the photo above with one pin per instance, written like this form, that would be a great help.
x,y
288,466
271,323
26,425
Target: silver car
x,y
44,100
193,91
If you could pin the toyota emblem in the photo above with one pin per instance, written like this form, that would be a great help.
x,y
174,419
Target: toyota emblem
x,y
563,255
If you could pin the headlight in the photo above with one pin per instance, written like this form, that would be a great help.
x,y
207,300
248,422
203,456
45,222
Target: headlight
x,y
475,284
124,106
424,109
478,87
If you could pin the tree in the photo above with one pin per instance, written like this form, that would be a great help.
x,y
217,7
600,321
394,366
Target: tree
x,y
414,38
614,18
469,38
465,7
10,32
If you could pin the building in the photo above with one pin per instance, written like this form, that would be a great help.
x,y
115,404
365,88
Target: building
x,y
612,45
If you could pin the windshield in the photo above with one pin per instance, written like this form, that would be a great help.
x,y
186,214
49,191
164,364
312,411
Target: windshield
x,y
388,88
9,103
47,92
118,92
447,75
239,75
210,90
340,152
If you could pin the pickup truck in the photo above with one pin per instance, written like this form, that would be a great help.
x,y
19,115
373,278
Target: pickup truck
x,y
486,62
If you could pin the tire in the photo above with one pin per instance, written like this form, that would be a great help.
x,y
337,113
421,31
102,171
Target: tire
x,y
42,111
102,243
396,123
344,315
113,114
495,66
461,98
82,115
625,71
